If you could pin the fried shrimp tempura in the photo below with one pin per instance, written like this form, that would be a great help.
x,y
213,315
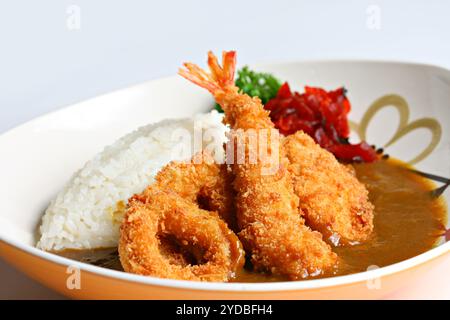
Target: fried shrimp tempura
x,y
166,234
272,231
215,252
332,199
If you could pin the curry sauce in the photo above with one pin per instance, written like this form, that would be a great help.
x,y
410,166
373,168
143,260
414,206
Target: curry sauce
x,y
408,221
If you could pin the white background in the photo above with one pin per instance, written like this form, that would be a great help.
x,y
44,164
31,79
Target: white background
x,y
46,64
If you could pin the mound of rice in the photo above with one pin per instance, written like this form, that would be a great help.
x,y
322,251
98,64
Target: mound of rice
x,y
87,213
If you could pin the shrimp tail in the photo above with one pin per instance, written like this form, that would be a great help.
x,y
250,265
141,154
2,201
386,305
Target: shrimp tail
x,y
219,78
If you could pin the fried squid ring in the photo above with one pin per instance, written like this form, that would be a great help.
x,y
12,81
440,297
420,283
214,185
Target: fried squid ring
x,y
177,228
203,182
166,236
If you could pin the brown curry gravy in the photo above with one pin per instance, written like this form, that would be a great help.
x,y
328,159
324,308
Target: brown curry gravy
x,y
408,221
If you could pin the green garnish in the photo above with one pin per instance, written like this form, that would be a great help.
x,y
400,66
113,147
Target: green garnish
x,y
260,84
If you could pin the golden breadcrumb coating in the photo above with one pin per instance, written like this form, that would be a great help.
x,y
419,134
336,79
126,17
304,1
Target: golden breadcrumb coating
x,y
203,182
272,231
332,199
153,218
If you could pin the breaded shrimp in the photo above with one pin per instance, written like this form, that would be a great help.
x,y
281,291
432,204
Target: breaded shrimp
x,y
332,199
271,229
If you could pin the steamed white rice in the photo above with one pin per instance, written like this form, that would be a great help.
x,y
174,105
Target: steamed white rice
x,y
87,213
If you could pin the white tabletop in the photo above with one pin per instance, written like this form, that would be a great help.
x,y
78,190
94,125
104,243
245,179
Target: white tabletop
x,y
57,53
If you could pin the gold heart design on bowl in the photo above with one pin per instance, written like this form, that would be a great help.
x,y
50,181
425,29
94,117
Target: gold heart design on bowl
x,y
404,126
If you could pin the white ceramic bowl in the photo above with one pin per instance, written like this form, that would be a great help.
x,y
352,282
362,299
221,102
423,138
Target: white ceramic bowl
x,y
38,157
